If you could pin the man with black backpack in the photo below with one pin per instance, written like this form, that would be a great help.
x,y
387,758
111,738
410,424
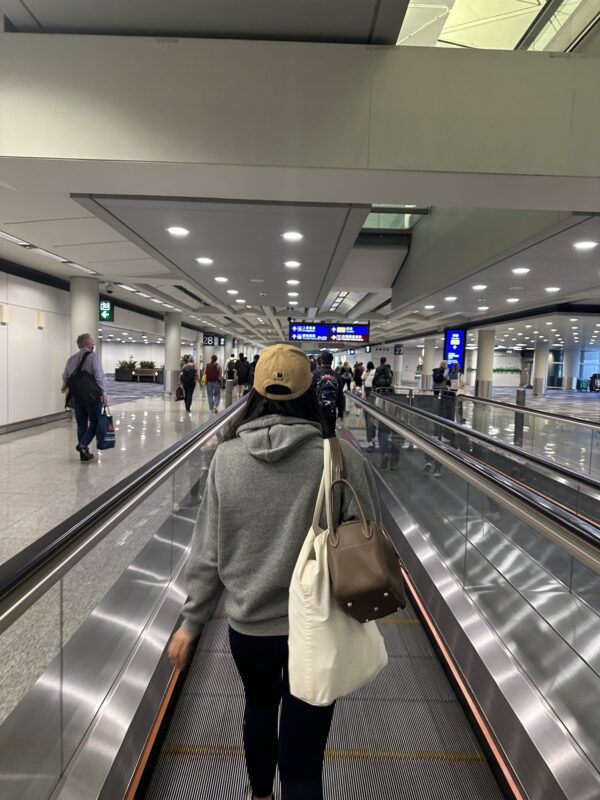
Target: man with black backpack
x,y
83,377
383,375
440,377
329,388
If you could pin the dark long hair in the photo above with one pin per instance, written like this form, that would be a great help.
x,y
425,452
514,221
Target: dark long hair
x,y
304,407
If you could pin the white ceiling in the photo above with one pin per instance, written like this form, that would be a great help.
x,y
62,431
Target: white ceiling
x,y
366,21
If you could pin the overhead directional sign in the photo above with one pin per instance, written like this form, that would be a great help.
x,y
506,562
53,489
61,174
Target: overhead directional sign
x,y
322,332
454,347
349,333
213,340
106,310
308,332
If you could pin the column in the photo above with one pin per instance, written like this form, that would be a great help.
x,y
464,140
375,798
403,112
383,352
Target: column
x,y
571,361
485,363
241,346
198,349
84,311
540,366
229,351
172,350
396,365
428,363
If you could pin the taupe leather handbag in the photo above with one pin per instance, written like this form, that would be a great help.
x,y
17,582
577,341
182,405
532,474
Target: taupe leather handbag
x,y
363,565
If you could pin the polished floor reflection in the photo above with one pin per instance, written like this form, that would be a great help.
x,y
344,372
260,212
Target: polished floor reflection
x,y
585,405
42,480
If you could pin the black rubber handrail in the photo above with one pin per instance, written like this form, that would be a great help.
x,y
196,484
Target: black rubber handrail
x,y
574,524
498,443
32,558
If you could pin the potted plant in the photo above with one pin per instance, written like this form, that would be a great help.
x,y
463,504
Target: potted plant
x,y
124,370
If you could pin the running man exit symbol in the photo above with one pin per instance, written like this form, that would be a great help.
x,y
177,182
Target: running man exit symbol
x,y
106,311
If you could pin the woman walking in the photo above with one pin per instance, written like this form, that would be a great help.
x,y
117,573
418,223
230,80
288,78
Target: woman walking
x,y
246,541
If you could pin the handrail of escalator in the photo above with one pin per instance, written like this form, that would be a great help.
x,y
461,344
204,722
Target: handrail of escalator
x,y
539,507
586,423
41,555
498,443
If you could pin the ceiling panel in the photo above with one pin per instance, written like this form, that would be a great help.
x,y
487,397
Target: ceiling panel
x,y
245,242
62,232
101,253
371,268
310,20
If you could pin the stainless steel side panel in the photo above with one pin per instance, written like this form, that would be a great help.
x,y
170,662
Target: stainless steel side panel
x,y
539,749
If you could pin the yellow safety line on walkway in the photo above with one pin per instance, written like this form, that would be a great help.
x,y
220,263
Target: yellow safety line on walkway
x,y
338,754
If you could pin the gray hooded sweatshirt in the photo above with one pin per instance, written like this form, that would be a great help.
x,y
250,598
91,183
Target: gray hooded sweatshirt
x,y
256,510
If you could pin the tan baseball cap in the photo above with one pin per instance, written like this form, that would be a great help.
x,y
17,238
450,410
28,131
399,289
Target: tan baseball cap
x,y
282,367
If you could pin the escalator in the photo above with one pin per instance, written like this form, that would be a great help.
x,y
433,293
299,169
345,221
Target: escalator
x,y
492,665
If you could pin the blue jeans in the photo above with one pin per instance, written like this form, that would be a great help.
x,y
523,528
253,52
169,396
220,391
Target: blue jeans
x,y
299,745
87,421
213,392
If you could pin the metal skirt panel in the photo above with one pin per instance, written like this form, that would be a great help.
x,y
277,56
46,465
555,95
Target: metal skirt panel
x,y
403,735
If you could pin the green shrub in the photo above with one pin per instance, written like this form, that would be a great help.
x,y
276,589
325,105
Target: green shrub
x,y
127,363
147,365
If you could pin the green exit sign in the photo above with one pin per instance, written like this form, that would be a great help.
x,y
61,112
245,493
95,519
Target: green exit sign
x,y
367,348
106,311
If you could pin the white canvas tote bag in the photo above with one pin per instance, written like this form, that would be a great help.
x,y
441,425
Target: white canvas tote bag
x,y
330,653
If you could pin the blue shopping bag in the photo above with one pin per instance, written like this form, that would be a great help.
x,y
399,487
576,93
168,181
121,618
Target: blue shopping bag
x,y
105,432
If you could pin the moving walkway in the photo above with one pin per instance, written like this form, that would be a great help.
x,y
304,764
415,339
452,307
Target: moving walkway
x,y
492,665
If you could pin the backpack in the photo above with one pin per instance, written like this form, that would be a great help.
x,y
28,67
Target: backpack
x,y
243,372
188,376
212,372
82,385
327,388
438,375
382,378
231,369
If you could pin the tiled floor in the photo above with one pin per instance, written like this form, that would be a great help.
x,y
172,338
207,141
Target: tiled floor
x,y
42,480
572,404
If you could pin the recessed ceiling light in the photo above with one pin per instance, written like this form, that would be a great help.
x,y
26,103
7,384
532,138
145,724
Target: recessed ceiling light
x,y
205,260
127,288
292,294
292,236
176,230
483,308
585,245
221,280
429,307
479,287
528,326
549,323
574,319
521,270
293,303
80,268
292,264
239,300
293,283
511,329
552,289
141,294
232,291
450,299
512,299
574,327
155,300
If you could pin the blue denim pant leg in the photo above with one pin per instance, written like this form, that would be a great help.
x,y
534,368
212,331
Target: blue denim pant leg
x,y
87,421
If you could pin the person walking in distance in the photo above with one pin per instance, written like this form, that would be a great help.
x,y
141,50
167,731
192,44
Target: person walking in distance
x,y
329,388
253,371
243,374
214,377
83,377
230,368
245,545
188,378
440,377
383,375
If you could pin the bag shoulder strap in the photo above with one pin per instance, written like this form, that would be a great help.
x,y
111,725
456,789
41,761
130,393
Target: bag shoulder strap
x,y
82,362
337,462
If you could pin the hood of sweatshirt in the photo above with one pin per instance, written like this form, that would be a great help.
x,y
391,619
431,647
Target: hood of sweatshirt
x,y
272,437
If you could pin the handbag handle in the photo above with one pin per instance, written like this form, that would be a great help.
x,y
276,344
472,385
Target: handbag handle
x,y
334,467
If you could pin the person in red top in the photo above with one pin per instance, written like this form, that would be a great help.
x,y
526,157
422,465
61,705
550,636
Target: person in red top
x,y
214,376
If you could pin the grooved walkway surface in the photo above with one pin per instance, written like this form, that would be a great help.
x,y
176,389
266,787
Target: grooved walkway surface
x,y
403,735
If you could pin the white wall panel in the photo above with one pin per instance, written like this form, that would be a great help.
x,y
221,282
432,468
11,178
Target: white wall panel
x,y
3,356
21,292
32,359
118,351
35,362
